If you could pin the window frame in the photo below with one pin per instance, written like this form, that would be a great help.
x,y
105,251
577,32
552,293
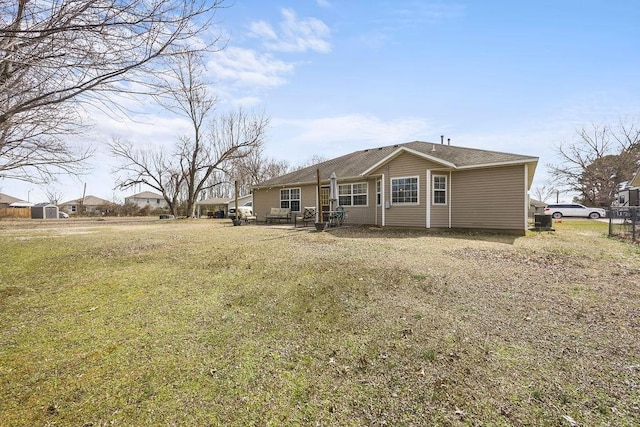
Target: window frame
x,y
379,192
394,200
289,200
435,190
352,195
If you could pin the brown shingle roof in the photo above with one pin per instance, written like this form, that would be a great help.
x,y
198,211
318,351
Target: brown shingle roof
x,y
145,195
359,163
7,199
88,201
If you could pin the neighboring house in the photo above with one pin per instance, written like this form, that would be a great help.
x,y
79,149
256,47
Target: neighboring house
x,y
12,207
416,184
630,195
147,198
90,205
7,201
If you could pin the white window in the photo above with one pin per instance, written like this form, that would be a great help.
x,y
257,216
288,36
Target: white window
x,y
352,194
290,198
404,190
378,192
439,189
74,208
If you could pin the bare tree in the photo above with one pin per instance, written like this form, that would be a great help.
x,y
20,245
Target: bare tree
x,y
253,168
53,196
58,57
600,160
543,192
150,167
214,145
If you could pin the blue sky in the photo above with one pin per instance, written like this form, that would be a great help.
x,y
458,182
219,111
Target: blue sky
x,y
339,76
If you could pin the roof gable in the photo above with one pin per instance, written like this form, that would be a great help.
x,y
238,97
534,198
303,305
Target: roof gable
x,y
404,149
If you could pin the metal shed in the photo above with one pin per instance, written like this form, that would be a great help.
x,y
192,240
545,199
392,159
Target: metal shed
x,y
44,211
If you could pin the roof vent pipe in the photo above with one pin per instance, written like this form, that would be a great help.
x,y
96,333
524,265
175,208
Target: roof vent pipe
x,y
448,141
441,139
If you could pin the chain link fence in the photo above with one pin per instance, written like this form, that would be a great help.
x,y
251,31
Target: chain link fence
x,y
624,222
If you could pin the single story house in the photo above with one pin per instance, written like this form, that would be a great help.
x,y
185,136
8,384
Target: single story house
x,y
147,198
12,207
630,195
7,201
415,184
87,205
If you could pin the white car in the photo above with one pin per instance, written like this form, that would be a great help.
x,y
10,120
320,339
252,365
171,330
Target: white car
x,y
243,212
63,214
574,209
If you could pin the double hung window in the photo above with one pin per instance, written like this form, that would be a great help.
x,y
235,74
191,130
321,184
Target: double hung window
x,y
290,198
439,190
352,194
404,190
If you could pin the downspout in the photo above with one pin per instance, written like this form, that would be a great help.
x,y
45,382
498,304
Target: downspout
x,y
383,200
375,216
319,208
526,196
450,197
428,190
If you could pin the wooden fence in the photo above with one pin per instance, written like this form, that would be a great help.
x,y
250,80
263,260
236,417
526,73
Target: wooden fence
x,y
15,212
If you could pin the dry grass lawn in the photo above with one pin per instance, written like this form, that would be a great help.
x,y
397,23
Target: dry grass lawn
x,y
196,322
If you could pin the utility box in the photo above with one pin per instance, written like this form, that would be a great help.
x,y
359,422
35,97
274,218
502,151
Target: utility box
x,y
542,222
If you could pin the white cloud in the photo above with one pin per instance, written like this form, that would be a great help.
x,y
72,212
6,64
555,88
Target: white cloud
x,y
324,3
245,67
419,13
262,29
247,101
293,35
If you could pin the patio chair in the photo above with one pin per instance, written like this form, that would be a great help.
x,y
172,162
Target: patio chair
x,y
308,215
337,217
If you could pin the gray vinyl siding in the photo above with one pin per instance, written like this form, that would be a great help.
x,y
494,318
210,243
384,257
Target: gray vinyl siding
x,y
491,198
